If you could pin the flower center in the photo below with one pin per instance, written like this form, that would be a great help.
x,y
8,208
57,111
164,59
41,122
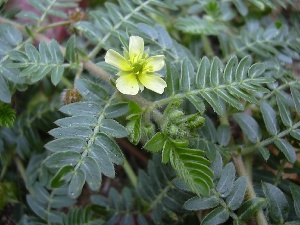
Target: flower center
x,y
137,68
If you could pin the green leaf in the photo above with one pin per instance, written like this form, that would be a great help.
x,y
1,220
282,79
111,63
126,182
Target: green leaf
x,y
134,108
203,73
216,72
81,109
295,189
225,183
38,5
296,99
110,147
104,162
45,54
217,165
277,203
197,102
248,208
195,25
238,222
5,95
256,70
286,148
229,99
30,70
295,134
59,179
284,111
264,152
57,56
90,90
167,149
77,121
19,56
73,131
187,75
241,7
249,126
113,128
213,100
217,216
198,203
93,173
66,144
40,74
223,134
56,74
193,168
172,79
164,38
11,34
89,30
269,117
28,15
41,192
32,53
230,69
134,129
156,143
7,115
76,184
59,202
235,91
242,68
209,130
70,49
236,196
36,206
116,110
61,159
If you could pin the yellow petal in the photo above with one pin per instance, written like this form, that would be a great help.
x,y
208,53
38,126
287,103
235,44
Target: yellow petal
x,y
114,58
155,63
136,48
128,84
153,82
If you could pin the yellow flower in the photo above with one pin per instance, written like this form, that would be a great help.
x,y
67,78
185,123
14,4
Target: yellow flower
x,y
137,70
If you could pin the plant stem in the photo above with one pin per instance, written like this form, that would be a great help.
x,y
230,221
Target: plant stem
x,y
53,25
129,171
240,167
207,46
20,168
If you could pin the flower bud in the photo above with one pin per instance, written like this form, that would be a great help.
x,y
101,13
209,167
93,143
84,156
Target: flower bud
x,y
70,96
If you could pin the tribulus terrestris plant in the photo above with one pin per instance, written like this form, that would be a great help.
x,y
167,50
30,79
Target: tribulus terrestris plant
x,y
149,112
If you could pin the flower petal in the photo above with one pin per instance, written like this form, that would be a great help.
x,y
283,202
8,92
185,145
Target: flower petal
x,y
136,48
114,58
155,63
128,84
153,82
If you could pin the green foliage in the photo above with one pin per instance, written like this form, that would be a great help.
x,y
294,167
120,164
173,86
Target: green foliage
x,y
227,198
37,64
84,141
79,216
215,83
47,8
223,137
10,38
8,115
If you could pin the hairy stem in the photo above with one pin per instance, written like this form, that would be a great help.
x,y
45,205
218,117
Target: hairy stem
x,y
240,167
207,46
53,25
130,173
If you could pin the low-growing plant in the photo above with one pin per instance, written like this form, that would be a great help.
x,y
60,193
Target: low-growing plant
x,y
150,112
